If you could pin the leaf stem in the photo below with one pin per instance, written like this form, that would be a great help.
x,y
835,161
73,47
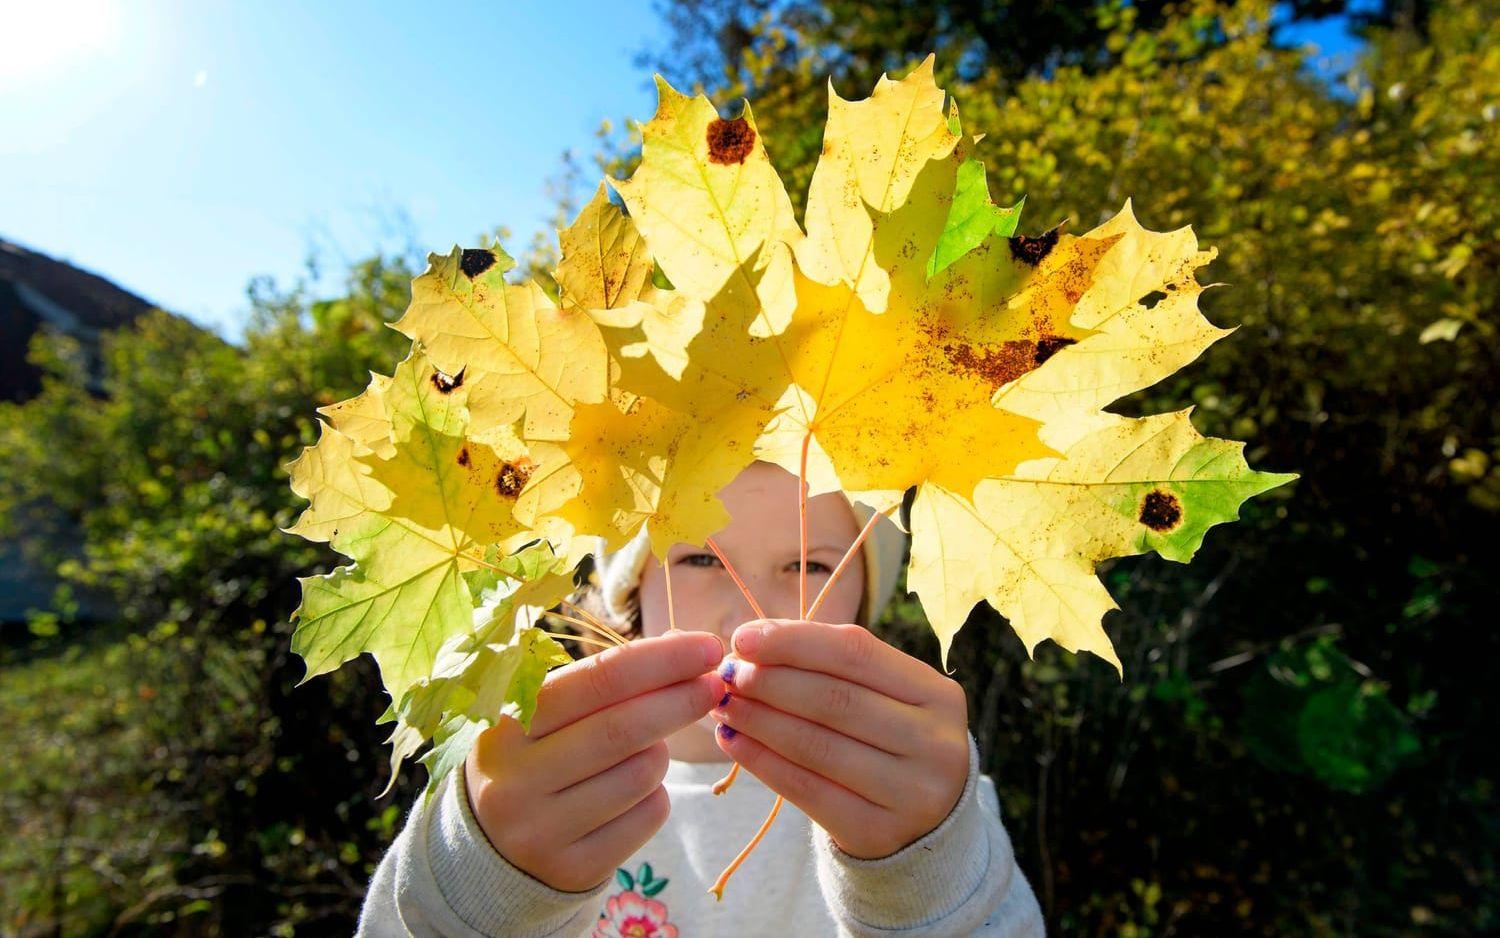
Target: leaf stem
x,y
612,639
722,785
848,556
718,887
666,569
594,620
582,639
802,528
733,575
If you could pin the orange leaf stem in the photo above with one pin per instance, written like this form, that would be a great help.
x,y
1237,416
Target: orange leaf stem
x,y
722,785
744,590
718,887
848,556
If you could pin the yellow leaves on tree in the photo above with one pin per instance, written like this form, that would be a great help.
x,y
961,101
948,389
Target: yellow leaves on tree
x,y
908,341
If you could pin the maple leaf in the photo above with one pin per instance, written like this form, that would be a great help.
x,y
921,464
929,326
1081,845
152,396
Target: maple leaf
x,y
700,368
873,151
972,218
413,521
711,205
607,270
1028,543
538,359
495,669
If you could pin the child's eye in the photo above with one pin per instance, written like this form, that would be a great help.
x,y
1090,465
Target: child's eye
x,y
699,560
814,568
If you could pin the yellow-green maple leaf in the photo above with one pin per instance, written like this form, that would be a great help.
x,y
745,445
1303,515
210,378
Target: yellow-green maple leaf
x,y
413,522
1028,543
494,669
541,359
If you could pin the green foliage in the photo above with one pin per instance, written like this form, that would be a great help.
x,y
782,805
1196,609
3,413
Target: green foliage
x,y
161,753
1311,710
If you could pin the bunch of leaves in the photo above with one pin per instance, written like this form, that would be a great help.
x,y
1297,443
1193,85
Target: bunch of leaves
x,y
901,341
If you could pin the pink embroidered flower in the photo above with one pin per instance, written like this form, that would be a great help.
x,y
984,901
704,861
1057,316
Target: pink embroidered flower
x,y
631,915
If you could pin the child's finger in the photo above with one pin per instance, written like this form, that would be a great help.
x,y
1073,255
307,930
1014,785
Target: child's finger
x,y
597,800
846,651
627,833
589,685
833,806
598,741
852,709
864,770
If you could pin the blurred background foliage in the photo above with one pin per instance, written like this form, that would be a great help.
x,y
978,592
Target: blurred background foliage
x,y
1297,747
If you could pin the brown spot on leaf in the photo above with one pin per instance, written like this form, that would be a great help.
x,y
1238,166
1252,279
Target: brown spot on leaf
x,y
1049,345
463,457
512,477
997,365
447,384
1032,250
730,142
1161,511
476,261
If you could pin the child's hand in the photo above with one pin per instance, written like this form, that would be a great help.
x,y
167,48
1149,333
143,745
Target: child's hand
x,y
871,743
574,799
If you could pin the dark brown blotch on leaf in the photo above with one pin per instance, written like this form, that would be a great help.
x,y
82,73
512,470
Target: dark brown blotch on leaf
x,y
730,142
1049,345
997,364
447,384
1032,250
512,477
463,457
476,261
1161,511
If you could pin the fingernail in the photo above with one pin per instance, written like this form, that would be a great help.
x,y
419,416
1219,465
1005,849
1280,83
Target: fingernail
x,y
715,651
726,672
727,731
747,638
724,701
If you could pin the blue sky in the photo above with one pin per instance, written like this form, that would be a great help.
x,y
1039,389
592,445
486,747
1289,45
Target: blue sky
x,y
182,148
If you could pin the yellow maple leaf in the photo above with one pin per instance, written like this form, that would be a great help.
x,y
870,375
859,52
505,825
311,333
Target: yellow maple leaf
x,y
712,207
606,269
363,418
873,151
541,360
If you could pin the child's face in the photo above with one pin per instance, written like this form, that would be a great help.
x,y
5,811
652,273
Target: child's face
x,y
762,543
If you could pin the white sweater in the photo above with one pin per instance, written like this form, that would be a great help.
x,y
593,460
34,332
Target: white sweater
x,y
442,876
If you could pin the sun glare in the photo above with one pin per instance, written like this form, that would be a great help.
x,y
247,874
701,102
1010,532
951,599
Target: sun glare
x,y
40,37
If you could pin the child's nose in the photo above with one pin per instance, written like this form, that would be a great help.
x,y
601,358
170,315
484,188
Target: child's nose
x,y
777,597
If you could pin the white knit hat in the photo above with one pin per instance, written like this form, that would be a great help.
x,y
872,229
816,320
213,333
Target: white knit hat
x,y
619,573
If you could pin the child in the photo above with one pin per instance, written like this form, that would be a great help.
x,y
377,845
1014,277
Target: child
x,y
888,828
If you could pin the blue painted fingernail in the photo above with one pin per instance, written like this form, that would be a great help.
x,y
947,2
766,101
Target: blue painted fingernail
x,y
727,731
724,701
726,671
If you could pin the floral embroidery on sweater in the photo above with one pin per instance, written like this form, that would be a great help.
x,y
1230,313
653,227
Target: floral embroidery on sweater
x,y
631,912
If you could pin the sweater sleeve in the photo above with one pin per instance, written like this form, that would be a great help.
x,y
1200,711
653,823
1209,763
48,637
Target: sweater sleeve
x,y
442,876
959,879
